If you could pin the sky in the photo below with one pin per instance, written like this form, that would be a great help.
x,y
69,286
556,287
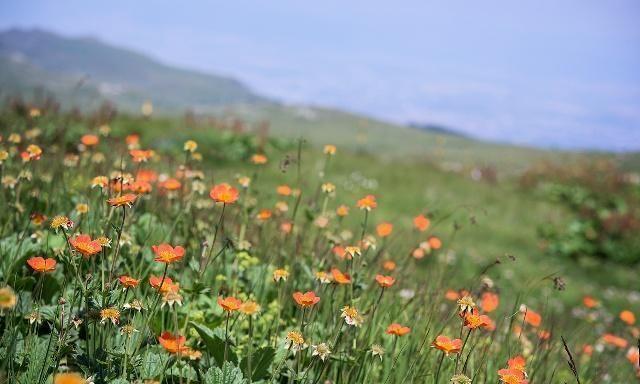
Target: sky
x,y
561,74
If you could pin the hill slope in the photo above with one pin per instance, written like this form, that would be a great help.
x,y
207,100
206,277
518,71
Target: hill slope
x,y
126,77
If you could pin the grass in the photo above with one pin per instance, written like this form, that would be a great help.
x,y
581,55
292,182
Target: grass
x,y
208,328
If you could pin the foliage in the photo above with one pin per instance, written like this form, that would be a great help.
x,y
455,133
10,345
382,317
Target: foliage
x,y
132,258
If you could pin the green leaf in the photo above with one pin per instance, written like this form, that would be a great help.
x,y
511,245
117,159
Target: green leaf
x,y
41,357
229,374
260,363
152,366
215,344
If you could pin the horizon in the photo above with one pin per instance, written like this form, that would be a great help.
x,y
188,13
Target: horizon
x,y
573,85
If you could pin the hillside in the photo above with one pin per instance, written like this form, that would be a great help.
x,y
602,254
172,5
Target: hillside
x,y
124,76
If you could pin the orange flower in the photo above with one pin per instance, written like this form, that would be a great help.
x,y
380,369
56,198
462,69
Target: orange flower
x,y
614,340
532,318
140,156
385,281
141,187
587,349
447,345
68,378
167,284
90,140
165,253
229,304
342,211
628,317
128,281
512,376
84,245
264,214
42,265
418,253
339,277
589,302
452,295
368,203
434,243
489,301
473,320
147,175
384,229
633,355
544,334
172,343
283,190
518,363
339,251
389,265
132,140
307,299
259,159
397,329
224,193
124,200
33,152
421,223
171,184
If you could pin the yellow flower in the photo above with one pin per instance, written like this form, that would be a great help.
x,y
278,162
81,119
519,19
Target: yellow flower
x,y
352,251
190,146
82,208
280,274
328,188
351,316
250,308
4,155
110,314
466,304
295,341
377,350
61,222
330,149
14,138
8,298
104,130
104,241
34,112
321,350
244,181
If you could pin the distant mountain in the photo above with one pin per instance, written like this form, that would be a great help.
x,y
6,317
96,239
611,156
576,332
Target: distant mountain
x,y
438,129
76,67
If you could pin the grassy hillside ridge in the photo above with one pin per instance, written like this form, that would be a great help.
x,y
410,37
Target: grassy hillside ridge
x,y
118,72
396,142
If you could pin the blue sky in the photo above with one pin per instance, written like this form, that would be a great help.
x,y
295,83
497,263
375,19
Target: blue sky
x,y
547,73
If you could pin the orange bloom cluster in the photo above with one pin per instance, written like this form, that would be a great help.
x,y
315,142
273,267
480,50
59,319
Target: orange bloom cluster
x,y
167,254
224,193
42,265
124,200
447,345
397,329
515,373
229,304
367,203
85,245
307,299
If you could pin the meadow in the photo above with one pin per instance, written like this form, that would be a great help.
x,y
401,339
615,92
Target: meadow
x,y
152,249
